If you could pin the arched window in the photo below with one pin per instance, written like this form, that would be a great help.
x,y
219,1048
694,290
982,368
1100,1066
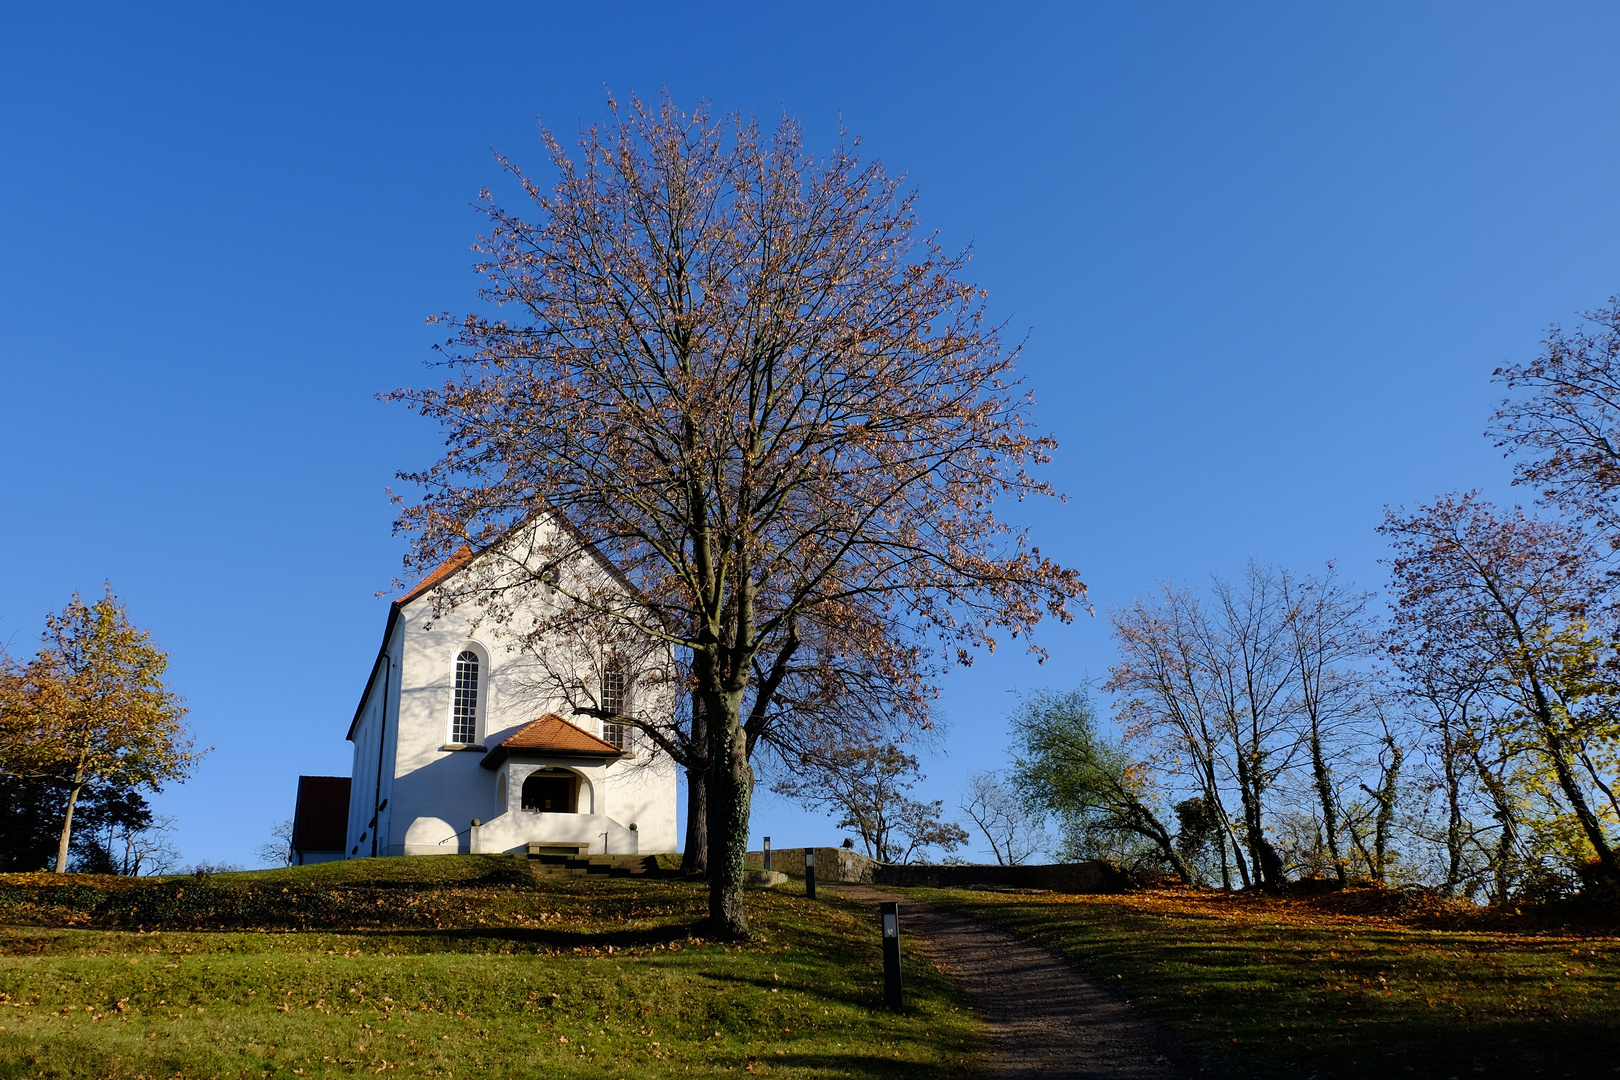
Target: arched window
x,y
613,701
464,711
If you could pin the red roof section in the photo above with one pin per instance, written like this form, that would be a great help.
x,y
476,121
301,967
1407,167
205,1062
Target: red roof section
x,y
321,816
553,735
440,572
552,732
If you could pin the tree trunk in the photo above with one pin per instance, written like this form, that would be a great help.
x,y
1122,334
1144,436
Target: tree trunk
x,y
1154,830
1454,817
695,853
1253,837
1385,796
1212,792
1237,856
1324,792
67,829
731,784
1589,822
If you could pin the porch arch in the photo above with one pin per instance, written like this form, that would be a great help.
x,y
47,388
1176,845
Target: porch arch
x,y
557,790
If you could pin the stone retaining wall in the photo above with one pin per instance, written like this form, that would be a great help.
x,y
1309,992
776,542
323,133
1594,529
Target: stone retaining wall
x,y
832,864
1095,876
851,867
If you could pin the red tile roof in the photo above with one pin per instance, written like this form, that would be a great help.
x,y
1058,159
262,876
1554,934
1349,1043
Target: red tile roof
x,y
321,816
551,736
443,570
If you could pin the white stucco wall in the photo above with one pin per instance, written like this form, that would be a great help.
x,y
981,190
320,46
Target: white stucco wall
x,y
431,788
372,788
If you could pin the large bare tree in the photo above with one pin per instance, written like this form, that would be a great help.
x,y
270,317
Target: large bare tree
x,y
738,372
1237,694
1211,686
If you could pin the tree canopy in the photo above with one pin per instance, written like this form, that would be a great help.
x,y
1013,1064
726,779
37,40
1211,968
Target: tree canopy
x,y
739,372
1064,767
91,710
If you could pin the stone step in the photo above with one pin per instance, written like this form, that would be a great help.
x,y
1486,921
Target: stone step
x,y
553,865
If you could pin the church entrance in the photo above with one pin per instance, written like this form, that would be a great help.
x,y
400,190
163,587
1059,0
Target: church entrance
x,y
550,792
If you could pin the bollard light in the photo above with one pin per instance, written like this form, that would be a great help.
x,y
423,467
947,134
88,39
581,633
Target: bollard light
x,y
892,992
767,853
810,872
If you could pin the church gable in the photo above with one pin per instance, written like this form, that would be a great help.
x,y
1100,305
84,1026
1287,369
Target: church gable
x,y
450,679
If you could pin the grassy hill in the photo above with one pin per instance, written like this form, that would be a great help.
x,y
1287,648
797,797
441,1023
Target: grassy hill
x,y
1346,985
447,966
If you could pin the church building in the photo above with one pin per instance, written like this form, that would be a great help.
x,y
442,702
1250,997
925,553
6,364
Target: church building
x,y
459,747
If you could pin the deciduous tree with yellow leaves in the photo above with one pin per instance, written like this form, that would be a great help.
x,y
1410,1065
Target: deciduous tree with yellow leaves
x,y
92,709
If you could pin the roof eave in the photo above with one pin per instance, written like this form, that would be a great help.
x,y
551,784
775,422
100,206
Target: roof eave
x,y
365,695
496,757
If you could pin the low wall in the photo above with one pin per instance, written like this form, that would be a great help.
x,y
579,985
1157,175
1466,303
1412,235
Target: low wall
x,y
515,832
1095,876
836,864
832,864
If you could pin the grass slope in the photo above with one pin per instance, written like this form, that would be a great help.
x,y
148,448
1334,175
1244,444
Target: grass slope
x,y
450,966
1276,988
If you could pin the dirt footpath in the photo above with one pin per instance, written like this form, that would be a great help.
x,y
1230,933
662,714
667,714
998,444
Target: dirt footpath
x,y
1045,1019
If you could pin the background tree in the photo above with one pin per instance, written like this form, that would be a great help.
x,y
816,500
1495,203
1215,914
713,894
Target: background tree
x,y
922,828
1198,830
1165,699
1500,593
108,823
1562,420
1014,832
736,371
1330,635
1065,768
1445,703
869,787
92,711
277,851
1212,686
30,822
1262,699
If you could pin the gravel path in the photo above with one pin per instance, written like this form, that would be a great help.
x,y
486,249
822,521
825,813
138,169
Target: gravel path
x,y
1045,1018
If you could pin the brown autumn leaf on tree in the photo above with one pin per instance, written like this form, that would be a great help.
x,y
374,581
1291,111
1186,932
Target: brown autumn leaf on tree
x,y
92,708
1563,420
1517,601
737,371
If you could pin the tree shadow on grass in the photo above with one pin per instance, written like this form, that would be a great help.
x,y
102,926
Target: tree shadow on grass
x,y
869,999
845,1064
537,937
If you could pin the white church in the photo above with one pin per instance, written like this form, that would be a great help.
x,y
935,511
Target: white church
x,y
454,752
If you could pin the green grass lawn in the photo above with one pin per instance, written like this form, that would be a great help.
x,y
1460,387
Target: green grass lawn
x,y
1272,988
451,966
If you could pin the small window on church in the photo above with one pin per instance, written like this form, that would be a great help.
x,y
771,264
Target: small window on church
x,y
613,702
464,712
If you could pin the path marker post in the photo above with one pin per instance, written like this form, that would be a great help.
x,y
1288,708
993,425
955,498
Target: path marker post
x,y
892,992
810,872
767,853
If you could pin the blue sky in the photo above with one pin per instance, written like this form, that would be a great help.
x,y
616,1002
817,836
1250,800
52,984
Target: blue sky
x,y
1265,258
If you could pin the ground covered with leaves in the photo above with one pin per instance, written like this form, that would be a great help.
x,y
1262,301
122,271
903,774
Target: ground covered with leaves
x,y
1344,985
449,966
